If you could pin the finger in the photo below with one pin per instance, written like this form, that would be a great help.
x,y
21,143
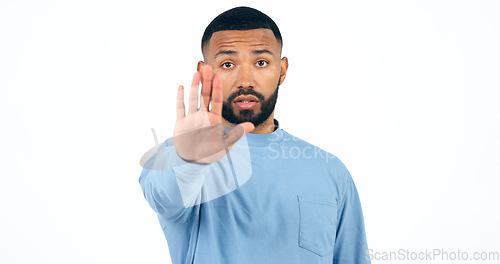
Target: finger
x,y
238,132
216,95
193,93
181,111
206,89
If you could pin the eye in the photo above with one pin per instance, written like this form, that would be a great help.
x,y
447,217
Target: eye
x,y
227,65
262,63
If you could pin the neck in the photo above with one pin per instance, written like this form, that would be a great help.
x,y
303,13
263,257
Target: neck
x,y
266,127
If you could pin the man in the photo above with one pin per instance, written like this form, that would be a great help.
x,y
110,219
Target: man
x,y
232,186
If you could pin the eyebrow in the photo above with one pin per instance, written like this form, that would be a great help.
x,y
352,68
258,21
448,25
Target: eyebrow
x,y
262,51
232,52
225,52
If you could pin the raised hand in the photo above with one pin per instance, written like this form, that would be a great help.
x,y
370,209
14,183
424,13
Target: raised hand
x,y
200,136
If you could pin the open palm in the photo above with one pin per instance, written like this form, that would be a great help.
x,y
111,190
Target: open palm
x,y
200,136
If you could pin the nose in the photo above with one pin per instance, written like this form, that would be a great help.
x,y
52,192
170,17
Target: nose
x,y
245,77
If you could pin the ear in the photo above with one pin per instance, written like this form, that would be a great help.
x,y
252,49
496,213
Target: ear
x,y
284,68
200,66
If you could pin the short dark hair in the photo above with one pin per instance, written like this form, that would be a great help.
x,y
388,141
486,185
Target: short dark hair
x,y
240,18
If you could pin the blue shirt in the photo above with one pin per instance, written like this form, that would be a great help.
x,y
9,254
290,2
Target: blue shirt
x,y
291,203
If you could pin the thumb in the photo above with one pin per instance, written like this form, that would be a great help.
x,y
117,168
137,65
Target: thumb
x,y
238,132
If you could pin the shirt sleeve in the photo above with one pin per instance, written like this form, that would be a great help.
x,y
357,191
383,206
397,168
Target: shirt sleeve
x,y
171,185
176,188
350,244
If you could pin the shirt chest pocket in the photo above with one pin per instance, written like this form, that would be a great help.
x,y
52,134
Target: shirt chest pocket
x,y
317,223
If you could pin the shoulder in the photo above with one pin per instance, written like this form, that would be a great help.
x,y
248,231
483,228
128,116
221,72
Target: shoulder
x,y
296,146
308,150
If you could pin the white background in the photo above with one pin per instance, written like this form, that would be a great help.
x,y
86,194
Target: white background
x,y
405,93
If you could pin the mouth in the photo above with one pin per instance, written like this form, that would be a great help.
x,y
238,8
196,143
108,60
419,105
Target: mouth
x,y
246,102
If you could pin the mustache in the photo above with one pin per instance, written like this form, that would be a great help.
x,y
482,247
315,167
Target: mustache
x,y
247,91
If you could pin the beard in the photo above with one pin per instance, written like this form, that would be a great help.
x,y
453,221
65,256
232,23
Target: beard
x,y
249,115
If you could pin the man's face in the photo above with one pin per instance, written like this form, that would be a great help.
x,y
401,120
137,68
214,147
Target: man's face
x,y
249,64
